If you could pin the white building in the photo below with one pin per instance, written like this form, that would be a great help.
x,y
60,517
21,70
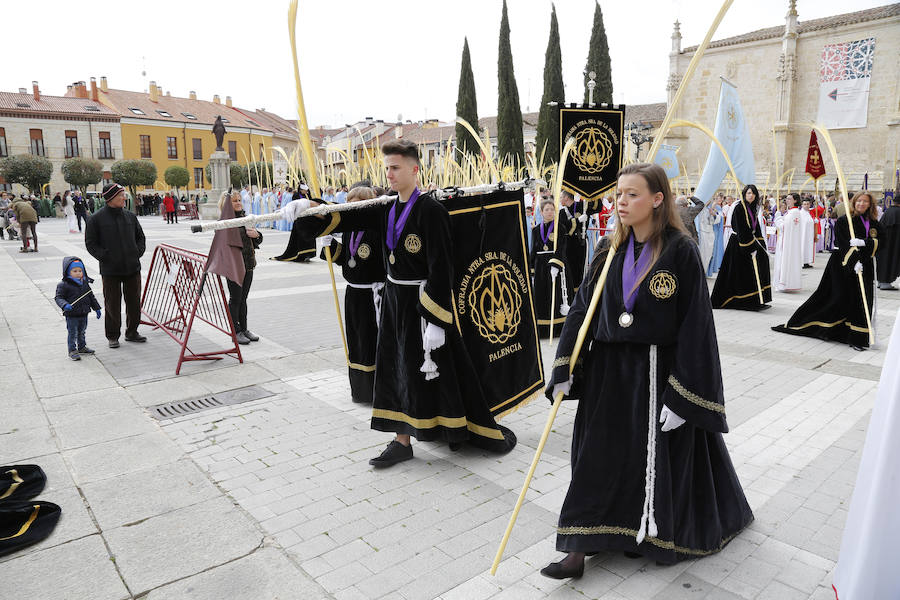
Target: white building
x,y
57,128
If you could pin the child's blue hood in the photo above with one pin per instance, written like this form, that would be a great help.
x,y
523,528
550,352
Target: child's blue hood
x,y
67,264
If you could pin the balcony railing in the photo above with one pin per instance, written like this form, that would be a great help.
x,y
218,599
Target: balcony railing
x,y
105,153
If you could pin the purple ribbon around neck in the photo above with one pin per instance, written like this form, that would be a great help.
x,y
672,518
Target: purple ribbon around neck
x,y
866,224
355,241
751,214
545,237
630,271
395,226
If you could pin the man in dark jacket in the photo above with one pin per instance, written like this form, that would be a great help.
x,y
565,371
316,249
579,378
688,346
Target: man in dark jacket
x,y
75,298
114,237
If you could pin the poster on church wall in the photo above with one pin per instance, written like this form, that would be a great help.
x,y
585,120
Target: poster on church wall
x,y
844,76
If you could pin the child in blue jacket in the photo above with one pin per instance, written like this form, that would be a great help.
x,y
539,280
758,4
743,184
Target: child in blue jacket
x,y
75,298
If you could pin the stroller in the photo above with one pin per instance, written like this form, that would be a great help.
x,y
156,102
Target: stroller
x,y
9,224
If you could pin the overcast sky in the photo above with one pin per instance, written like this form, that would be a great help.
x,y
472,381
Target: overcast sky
x,y
358,58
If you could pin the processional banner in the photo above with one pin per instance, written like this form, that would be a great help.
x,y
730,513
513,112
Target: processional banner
x,y
596,157
844,75
492,296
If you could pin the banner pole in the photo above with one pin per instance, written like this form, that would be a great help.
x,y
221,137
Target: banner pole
x,y
595,298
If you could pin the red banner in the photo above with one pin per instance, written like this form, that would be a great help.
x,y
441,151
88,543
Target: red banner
x,y
815,166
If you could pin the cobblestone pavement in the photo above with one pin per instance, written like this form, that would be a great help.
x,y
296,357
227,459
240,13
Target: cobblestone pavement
x,y
273,498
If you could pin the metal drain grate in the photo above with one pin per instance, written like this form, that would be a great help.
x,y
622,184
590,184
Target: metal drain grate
x,y
170,410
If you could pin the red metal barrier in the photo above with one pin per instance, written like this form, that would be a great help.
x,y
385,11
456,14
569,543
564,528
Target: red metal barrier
x,y
177,293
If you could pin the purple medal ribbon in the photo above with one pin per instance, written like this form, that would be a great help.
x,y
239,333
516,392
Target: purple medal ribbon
x,y
355,241
395,227
545,237
866,224
630,272
753,219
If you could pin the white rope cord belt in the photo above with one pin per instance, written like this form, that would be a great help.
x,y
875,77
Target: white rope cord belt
x,y
648,519
376,295
429,367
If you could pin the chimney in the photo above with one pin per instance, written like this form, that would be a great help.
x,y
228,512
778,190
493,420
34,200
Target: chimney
x,y
37,91
103,85
68,88
193,95
228,101
94,95
216,99
168,93
23,91
154,92
81,89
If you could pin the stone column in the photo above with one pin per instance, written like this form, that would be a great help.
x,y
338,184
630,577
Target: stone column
x,y
786,77
676,136
220,170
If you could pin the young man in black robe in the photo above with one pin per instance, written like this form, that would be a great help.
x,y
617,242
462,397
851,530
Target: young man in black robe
x,y
362,265
744,282
426,386
888,263
836,311
552,283
301,246
572,221
650,471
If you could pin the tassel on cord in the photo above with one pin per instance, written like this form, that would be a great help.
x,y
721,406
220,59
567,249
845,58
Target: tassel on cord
x,y
377,288
564,307
648,519
429,367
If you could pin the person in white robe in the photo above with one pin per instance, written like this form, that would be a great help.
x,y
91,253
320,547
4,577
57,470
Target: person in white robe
x,y
728,208
867,563
789,250
809,233
706,220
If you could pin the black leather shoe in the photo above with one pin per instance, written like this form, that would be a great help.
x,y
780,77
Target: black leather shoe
x,y
455,446
85,350
251,336
113,343
393,454
558,571
629,554
135,338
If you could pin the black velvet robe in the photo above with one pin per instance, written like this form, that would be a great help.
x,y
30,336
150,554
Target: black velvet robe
x,y
451,407
541,260
736,284
301,246
699,503
576,246
888,263
835,311
359,308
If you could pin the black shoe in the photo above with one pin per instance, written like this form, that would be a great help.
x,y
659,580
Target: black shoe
x,y
135,338
113,343
807,266
455,446
242,339
393,454
85,350
629,554
558,571
74,355
857,348
251,336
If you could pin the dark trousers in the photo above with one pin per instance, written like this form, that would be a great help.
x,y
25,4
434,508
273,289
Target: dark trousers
x,y
170,217
81,217
25,227
76,327
114,287
237,301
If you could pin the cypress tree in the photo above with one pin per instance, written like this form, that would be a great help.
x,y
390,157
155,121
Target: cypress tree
x,y
466,106
598,61
509,113
548,120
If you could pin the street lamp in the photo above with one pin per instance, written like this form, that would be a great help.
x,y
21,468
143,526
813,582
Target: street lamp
x,y
639,137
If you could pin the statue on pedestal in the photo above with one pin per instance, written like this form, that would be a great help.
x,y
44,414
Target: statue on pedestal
x,y
219,131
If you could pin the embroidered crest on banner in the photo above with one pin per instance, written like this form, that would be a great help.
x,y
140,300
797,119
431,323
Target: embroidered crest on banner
x,y
494,303
663,285
413,243
364,251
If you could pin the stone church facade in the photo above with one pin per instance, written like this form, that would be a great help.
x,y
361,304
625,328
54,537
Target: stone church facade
x,y
776,71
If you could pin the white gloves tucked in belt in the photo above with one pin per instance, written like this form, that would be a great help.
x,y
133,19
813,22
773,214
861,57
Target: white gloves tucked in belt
x,y
857,242
669,419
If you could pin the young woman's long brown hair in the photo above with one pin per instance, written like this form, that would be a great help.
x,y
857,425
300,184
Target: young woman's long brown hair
x,y
871,212
664,216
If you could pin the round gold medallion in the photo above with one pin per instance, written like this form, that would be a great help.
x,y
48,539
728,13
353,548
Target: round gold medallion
x,y
663,285
391,258
413,243
364,251
873,233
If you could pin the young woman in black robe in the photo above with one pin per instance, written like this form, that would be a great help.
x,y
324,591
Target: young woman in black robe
x,y
743,281
650,471
301,246
836,311
548,256
362,265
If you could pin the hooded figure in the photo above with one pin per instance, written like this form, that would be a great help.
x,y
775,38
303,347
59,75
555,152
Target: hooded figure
x,y
225,256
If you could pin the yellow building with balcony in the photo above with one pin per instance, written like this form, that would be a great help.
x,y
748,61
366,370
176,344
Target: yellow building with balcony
x,y
169,130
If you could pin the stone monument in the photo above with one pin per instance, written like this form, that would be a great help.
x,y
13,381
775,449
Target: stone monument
x,y
220,172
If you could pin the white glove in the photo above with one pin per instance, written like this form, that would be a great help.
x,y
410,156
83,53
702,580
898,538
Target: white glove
x,y
563,387
292,210
554,272
583,218
433,338
753,254
669,419
858,267
857,242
